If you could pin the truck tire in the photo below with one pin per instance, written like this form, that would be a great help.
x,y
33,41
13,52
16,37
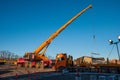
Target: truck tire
x,y
26,65
19,65
61,68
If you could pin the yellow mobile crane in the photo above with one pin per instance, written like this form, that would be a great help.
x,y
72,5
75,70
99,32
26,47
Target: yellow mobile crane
x,y
34,58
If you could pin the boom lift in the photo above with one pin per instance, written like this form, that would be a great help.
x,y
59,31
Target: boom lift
x,y
34,58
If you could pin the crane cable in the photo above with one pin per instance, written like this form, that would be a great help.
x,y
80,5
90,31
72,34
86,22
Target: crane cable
x,y
44,50
110,51
93,35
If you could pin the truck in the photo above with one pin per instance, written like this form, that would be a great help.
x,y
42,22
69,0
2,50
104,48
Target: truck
x,y
37,58
64,61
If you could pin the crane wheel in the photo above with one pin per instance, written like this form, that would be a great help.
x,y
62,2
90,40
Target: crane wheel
x,y
19,65
37,65
30,65
26,65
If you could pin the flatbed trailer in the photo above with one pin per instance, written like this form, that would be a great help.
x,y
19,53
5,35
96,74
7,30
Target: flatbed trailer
x,y
96,68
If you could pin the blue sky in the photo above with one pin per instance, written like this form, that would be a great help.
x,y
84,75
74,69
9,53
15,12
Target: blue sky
x,y
25,24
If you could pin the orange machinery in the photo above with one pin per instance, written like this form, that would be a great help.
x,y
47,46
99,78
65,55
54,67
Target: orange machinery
x,y
34,58
63,61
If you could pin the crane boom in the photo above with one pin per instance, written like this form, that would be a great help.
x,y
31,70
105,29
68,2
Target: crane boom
x,y
48,41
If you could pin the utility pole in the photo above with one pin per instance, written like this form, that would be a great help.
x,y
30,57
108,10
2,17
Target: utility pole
x,y
116,43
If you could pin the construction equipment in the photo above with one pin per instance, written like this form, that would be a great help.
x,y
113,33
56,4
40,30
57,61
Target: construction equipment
x,y
2,61
34,58
66,62
63,61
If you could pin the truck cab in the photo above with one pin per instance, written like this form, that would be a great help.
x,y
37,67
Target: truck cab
x,y
62,61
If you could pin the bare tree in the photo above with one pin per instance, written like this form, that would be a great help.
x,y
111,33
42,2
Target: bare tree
x,y
5,54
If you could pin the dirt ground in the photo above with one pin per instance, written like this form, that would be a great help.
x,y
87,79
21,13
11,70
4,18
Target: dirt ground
x,y
11,72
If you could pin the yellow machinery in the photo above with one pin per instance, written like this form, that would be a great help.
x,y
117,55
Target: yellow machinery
x,y
2,61
62,61
34,58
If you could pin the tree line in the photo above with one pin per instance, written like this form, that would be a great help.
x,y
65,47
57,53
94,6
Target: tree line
x,y
5,54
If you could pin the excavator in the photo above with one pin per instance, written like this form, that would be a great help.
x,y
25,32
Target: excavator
x,y
37,57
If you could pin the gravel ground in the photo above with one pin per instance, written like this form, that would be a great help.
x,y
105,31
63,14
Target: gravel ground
x,y
60,77
10,72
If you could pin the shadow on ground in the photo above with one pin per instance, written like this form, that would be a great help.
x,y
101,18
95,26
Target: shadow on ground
x,y
41,76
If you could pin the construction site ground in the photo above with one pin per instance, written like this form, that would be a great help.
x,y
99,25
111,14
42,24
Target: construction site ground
x,y
11,72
